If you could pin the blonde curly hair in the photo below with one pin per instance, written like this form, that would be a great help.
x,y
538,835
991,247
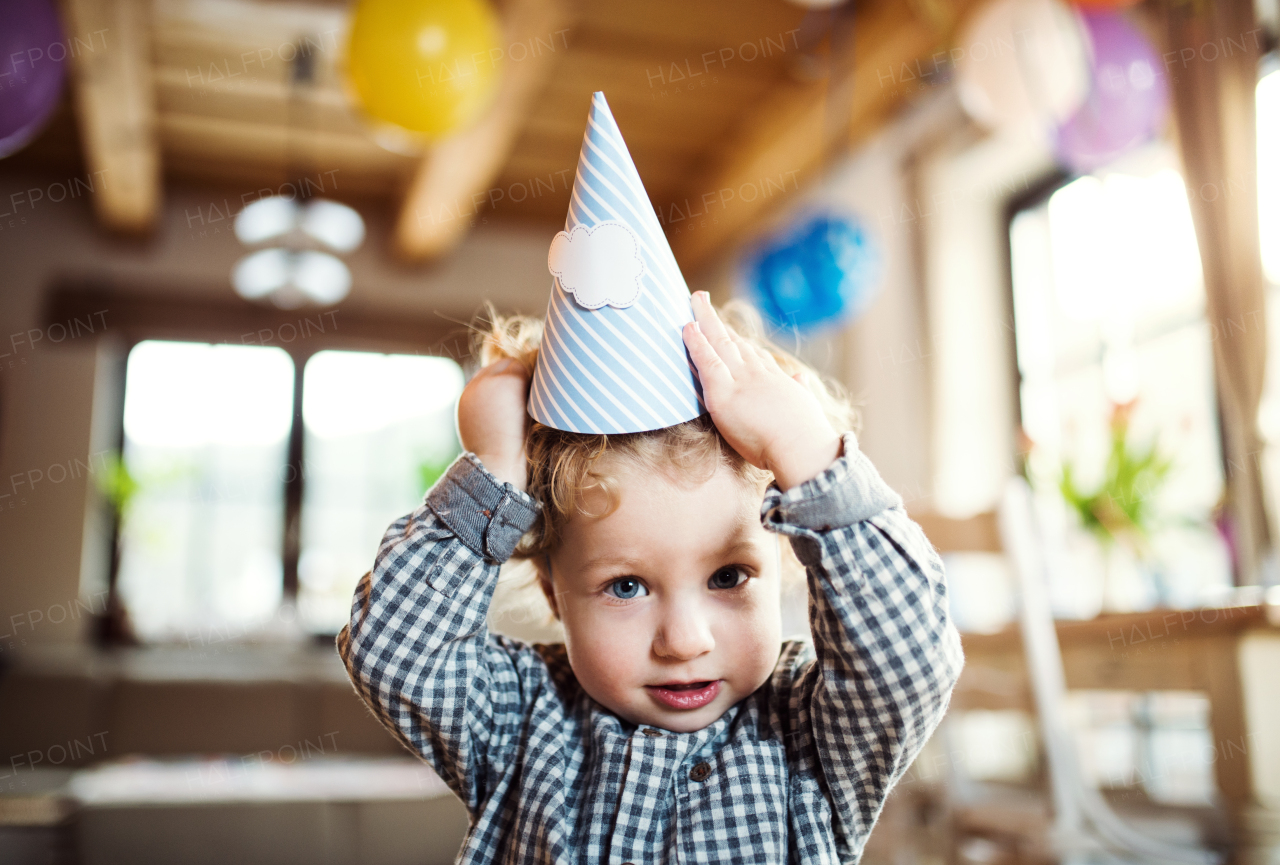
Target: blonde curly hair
x,y
563,465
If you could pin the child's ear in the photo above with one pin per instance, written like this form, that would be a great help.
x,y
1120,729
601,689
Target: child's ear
x,y
543,567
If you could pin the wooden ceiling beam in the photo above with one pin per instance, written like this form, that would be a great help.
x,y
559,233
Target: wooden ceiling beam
x,y
458,171
245,182
788,139
685,29
275,148
262,101
228,45
115,108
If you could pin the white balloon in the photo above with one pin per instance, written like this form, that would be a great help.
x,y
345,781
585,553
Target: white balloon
x,y
1022,63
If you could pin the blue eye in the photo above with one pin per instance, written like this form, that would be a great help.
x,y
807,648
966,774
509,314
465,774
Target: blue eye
x,y
727,578
627,588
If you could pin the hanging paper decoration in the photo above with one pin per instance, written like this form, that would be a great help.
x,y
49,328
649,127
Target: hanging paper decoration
x,y
426,66
1022,63
32,54
1127,103
824,272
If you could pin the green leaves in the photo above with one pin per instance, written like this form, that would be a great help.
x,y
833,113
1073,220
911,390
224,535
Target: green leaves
x,y
1122,508
116,484
430,469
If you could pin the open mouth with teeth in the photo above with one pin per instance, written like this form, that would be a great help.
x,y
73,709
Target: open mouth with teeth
x,y
684,695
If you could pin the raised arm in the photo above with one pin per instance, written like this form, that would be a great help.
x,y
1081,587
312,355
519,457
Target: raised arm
x,y
887,654
417,647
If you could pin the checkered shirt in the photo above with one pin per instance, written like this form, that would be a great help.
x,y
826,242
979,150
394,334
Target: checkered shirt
x,y
797,772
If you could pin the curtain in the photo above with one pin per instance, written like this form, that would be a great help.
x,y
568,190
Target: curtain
x,y
1211,58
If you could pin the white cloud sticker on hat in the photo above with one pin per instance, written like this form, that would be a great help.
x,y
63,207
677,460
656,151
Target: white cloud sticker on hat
x,y
598,265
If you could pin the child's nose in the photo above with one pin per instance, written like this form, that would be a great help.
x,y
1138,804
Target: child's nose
x,y
683,636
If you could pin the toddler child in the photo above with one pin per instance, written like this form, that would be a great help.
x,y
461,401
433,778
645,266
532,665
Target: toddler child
x,y
674,724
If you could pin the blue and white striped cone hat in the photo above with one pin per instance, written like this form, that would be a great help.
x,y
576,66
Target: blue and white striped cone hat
x,y
612,359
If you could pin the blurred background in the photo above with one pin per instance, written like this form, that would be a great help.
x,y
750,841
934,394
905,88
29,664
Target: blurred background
x,y
240,245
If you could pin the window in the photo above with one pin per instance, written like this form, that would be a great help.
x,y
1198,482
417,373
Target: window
x,y
1108,302
1268,101
207,432
379,431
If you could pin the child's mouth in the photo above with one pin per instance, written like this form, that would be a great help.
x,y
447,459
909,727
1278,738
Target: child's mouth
x,y
684,695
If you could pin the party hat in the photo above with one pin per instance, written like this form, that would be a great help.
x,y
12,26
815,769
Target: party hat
x,y
612,358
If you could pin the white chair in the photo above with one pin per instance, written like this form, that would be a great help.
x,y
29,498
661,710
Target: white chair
x,y
1084,829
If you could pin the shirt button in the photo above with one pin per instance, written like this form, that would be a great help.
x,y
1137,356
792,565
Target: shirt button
x,y
648,731
700,772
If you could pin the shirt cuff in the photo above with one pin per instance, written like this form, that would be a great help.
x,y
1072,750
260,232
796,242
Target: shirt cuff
x,y
848,492
487,515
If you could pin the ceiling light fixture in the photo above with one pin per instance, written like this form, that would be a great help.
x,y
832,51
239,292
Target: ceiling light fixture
x,y
291,278
299,266
296,273
334,225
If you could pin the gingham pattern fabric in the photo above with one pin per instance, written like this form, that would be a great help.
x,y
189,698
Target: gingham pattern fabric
x,y
611,370
795,773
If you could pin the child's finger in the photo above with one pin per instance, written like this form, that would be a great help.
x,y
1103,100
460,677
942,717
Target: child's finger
x,y
717,335
713,372
753,353
498,367
747,349
767,358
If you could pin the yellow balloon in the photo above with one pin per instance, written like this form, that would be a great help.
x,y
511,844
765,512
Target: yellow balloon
x,y
429,66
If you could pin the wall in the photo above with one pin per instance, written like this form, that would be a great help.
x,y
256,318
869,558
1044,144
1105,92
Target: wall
x,y
966,184
884,357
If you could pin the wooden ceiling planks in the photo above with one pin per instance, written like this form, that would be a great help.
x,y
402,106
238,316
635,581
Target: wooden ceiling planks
x,y
230,110
195,145
676,29
707,98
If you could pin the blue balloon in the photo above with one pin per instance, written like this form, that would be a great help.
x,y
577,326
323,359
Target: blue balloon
x,y
824,272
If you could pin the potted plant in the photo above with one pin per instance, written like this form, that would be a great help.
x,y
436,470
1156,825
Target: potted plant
x,y
1121,513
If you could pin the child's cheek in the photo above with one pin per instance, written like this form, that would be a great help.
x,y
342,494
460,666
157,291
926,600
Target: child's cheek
x,y
751,637
607,648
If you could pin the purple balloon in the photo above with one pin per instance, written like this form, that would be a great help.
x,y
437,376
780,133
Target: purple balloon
x,y
32,55
1128,99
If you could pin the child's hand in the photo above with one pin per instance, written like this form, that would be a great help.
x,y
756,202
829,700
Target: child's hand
x,y
492,419
768,417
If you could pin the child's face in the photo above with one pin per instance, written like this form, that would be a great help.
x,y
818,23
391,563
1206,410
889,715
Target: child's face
x,y
679,586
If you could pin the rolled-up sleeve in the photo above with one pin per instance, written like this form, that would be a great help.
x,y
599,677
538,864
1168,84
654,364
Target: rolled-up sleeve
x,y
417,647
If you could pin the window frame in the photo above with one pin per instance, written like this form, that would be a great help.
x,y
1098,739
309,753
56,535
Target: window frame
x,y
1038,194
139,316
1034,196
